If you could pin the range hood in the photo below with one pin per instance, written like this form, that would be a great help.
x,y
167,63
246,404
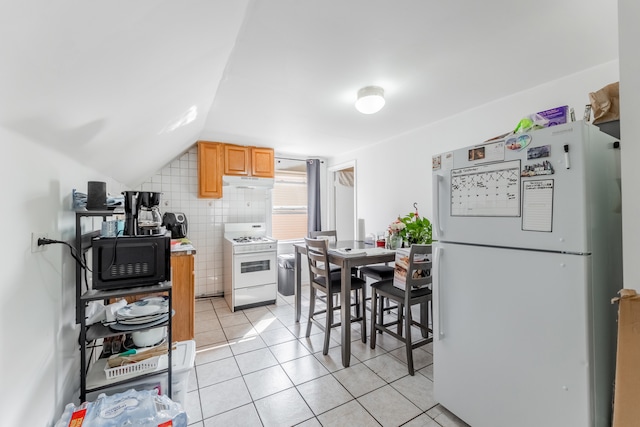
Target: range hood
x,y
247,181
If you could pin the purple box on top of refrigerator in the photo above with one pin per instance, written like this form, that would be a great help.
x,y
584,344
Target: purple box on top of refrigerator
x,y
556,116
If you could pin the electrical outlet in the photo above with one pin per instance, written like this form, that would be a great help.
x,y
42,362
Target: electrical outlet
x,y
34,242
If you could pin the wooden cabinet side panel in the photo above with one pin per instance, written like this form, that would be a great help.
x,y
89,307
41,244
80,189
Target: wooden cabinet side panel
x,y
236,160
209,170
262,162
183,322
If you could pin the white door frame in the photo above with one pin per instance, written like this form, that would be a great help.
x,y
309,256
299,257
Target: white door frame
x,y
331,193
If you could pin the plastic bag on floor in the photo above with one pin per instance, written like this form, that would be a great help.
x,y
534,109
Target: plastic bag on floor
x,y
131,408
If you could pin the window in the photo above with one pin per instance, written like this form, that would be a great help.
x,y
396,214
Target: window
x,y
289,216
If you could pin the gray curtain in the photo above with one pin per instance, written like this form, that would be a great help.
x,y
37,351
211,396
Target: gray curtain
x,y
313,195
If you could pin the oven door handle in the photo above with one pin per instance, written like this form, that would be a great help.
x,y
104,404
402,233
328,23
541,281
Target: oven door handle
x,y
258,251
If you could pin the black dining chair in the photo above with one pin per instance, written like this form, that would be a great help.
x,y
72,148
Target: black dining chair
x,y
332,237
377,273
414,269
328,282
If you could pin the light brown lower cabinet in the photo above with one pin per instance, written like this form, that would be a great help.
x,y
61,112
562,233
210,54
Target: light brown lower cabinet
x,y
182,279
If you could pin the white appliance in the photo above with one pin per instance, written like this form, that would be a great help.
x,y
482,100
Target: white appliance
x,y
250,266
527,260
247,181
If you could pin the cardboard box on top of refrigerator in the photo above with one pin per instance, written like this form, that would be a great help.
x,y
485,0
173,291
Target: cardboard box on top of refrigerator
x,y
626,401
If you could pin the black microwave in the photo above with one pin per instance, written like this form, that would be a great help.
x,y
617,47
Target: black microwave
x,y
130,261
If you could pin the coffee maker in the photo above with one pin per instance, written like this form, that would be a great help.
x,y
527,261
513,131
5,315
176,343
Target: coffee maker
x,y
142,213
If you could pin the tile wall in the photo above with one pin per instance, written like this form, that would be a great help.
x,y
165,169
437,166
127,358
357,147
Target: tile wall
x,y
178,183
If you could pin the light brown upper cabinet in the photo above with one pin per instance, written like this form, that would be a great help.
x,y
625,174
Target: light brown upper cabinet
x,y
210,169
216,159
248,161
262,164
236,160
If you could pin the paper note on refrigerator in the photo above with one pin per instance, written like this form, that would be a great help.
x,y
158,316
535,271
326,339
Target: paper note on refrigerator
x,y
537,205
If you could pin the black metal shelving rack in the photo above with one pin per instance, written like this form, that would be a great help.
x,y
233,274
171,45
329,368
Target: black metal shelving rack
x,y
89,334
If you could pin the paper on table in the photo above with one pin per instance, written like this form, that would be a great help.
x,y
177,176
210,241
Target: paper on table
x,y
349,251
379,251
370,251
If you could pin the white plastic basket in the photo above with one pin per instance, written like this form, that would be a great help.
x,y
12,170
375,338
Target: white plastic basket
x,y
132,368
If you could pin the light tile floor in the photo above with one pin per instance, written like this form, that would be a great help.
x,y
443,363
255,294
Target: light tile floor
x,y
254,367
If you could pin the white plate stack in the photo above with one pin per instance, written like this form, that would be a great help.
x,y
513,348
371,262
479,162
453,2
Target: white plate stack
x,y
141,314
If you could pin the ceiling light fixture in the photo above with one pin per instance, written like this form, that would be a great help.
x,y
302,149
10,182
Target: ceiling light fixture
x,y
370,99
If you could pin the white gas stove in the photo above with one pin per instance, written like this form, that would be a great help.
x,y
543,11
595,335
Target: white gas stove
x,y
249,266
245,244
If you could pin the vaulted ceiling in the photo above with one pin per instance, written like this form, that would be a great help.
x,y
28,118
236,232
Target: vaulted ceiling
x,y
126,86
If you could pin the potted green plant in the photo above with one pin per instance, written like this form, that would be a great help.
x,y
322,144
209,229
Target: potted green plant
x,y
416,229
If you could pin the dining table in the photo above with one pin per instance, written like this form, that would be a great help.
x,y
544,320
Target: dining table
x,y
346,254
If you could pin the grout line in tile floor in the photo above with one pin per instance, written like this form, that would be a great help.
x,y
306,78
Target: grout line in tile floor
x,y
255,367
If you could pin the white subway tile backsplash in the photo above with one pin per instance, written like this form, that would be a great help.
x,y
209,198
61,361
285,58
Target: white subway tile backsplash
x,y
178,183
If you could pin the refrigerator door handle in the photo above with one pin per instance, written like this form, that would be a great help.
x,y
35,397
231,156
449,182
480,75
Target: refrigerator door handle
x,y
436,211
439,334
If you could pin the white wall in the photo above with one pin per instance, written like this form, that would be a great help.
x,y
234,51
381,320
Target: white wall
x,y
39,357
629,34
345,227
392,175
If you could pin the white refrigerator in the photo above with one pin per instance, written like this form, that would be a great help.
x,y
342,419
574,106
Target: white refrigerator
x,y
527,259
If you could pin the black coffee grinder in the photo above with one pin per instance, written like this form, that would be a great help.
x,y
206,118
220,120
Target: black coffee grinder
x,y
142,213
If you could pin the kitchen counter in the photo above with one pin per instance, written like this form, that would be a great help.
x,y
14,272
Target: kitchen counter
x,y
181,247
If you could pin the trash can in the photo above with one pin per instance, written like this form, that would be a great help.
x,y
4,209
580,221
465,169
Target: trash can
x,y
286,266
